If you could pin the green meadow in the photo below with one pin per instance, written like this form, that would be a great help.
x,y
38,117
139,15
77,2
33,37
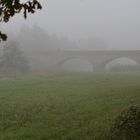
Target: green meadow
x,y
64,106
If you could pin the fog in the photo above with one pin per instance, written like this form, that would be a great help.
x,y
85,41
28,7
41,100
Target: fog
x,y
115,22
70,71
78,25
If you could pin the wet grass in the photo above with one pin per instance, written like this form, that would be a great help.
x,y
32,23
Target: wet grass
x,y
64,106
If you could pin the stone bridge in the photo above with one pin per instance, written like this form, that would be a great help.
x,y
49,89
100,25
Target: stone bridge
x,y
99,59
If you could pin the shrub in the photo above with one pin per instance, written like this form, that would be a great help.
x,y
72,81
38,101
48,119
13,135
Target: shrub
x,y
126,125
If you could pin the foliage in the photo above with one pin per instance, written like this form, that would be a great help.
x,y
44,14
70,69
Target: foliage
x,y
12,60
8,9
127,125
3,36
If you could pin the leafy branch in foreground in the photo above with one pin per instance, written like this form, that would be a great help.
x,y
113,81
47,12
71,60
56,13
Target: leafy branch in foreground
x,y
9,8
3,37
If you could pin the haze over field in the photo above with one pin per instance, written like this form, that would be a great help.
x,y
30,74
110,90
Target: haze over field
x,y
70,71
115,23
78,25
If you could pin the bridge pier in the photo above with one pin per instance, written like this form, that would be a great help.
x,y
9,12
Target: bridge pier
x,y
99,68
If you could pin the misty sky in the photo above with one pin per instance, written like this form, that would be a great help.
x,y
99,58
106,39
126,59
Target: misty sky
x,y
117,22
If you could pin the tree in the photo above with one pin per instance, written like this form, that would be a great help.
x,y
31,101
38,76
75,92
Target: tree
x,y
9,8
13,60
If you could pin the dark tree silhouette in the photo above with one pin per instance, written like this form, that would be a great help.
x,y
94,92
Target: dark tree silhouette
x,y
9,8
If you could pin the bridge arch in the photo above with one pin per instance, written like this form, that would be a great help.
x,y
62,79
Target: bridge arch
x,y
121,64
75,64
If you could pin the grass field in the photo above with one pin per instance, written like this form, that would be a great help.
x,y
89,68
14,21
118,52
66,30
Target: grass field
x,y
64,106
